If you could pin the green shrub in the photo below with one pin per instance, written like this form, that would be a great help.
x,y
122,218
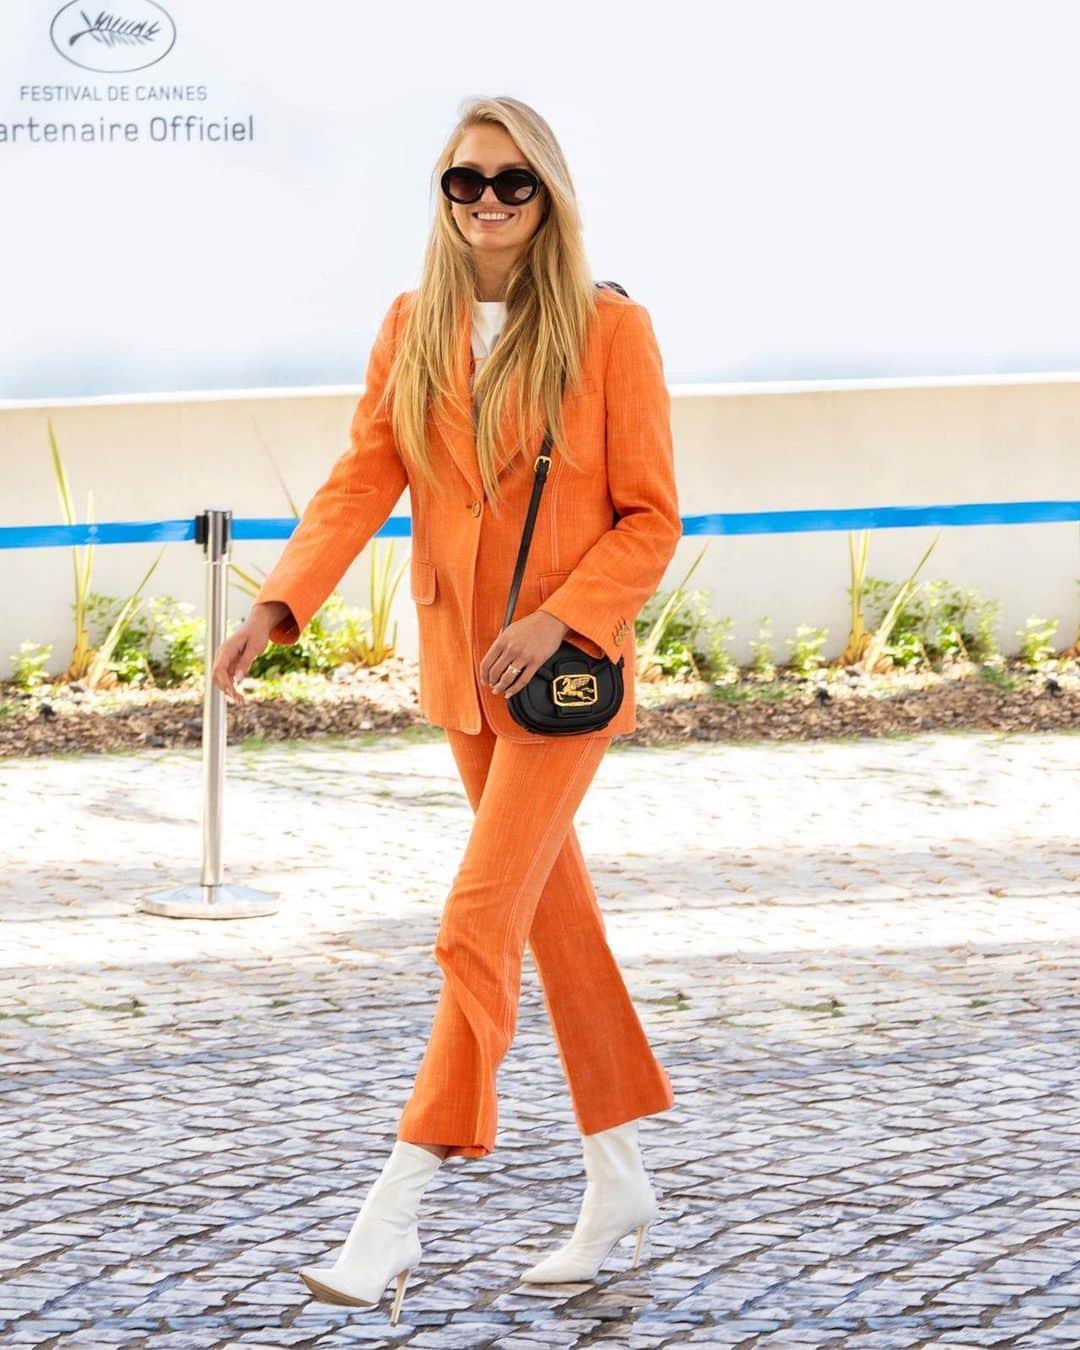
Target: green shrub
x,y
762,662
1035,641
806,649
29,665
130,656
182,635
162,643
940,623
694,641
327,641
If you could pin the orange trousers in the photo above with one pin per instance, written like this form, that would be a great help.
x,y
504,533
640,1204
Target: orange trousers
x,y
523,879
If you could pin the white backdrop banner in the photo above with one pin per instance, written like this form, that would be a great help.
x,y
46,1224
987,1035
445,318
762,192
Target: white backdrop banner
x,y
208,196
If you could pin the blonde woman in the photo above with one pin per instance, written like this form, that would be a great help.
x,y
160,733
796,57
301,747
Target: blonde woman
x,y
506,334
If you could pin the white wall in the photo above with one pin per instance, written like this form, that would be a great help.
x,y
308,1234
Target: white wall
x,y
736,451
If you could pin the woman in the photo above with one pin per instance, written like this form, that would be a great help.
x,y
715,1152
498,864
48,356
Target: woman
x,y
459,418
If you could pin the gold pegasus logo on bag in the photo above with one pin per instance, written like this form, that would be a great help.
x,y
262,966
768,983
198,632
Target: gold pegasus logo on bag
x,y
571,691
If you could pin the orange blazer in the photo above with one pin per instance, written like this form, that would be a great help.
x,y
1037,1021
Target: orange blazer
x,y
592,574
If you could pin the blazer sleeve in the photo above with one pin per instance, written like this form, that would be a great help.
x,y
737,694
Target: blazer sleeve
x,y
604,593
353,503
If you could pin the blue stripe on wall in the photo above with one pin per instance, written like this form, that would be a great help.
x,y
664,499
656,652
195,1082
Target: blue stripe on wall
x,y
729,522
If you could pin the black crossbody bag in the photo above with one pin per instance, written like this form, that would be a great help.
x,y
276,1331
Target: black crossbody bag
x,y
572,692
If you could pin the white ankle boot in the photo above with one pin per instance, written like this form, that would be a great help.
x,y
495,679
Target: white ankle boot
x,y
619,1198
383,1241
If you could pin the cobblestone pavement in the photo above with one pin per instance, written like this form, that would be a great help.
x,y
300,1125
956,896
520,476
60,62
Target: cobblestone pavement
x,y
857,960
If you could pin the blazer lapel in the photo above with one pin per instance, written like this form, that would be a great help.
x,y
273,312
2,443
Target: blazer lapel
x,y
458,435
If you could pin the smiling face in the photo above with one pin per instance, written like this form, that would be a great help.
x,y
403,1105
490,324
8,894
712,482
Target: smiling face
x,y
488,224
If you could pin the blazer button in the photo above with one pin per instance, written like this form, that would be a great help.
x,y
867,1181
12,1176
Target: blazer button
x,y
474,507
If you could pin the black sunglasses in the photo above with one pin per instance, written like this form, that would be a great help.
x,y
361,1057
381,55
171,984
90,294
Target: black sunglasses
x,y
513,187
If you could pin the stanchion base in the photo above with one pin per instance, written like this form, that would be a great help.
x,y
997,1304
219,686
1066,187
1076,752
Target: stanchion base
x,y
210,902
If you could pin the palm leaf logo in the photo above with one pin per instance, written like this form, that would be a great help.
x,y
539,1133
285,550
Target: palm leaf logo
x,y
112,31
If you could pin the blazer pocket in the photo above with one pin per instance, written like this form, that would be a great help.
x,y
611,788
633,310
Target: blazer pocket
x,y
551,581
423,583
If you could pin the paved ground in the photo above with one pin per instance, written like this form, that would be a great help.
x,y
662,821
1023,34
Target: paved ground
x,y
858,962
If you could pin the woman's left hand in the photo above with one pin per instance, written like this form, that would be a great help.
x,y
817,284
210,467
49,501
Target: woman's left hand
x,y
526,643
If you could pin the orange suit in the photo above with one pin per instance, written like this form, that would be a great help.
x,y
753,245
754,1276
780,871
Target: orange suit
x,y
594,577
523,878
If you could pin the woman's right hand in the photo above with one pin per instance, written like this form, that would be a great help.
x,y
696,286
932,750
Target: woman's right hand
x,y
239,650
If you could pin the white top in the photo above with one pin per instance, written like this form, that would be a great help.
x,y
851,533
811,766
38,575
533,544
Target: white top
x,y
488,319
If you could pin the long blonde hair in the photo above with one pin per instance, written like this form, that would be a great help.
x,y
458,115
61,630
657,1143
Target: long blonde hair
x,y
550,304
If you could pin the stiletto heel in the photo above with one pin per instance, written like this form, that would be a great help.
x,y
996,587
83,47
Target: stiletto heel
x,y
399,1294
637,1245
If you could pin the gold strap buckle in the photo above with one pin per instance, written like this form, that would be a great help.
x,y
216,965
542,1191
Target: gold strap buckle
x,y
536,461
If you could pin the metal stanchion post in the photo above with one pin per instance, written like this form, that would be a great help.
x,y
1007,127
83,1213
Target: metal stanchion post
x,y
212,898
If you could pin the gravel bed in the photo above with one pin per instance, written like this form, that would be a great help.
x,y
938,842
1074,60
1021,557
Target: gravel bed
x,y
61,718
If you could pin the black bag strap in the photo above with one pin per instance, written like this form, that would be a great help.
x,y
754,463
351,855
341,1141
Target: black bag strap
x,y
541,465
